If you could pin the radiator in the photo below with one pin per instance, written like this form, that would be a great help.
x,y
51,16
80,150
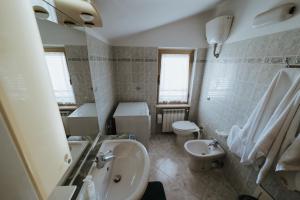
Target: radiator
x,y
170,116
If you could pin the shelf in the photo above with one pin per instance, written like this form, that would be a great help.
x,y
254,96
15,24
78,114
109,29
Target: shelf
x,y
62,193
173,106
69,107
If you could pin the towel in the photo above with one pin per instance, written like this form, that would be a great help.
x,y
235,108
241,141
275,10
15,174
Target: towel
x,y
288,166
290,160
272,142
265,130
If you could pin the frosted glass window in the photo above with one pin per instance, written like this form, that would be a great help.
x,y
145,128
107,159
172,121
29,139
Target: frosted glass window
x,y
60,78
174,78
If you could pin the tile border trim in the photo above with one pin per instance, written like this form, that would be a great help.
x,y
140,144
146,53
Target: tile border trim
x,y
293,59
99,58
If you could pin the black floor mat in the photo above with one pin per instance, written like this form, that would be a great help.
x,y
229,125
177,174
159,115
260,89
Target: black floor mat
x,y
155,191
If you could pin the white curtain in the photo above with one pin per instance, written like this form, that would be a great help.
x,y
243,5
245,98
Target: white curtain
x,y
174,78
60,79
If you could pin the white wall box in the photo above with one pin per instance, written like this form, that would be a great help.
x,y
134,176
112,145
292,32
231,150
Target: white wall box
x,y
84,121
217,31
134,118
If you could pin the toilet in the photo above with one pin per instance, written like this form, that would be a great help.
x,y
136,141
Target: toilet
x,y
184,131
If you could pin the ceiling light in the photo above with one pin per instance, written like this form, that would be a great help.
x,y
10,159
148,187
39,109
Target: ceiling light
x,y
69,23
87,17
89,24
40,12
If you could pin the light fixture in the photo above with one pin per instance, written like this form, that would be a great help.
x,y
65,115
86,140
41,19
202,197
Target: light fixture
x,y
87,17
41,12
89,24
69,23
274,15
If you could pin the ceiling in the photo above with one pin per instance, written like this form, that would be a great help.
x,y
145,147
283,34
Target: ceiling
x,y
125,17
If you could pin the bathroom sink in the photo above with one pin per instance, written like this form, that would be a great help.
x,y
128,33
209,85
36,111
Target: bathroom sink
x,y
125,177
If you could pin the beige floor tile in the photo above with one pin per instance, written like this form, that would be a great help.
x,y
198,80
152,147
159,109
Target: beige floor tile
x,y
169,164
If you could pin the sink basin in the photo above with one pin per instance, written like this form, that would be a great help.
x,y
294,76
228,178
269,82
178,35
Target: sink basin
x,y
202,155
123,178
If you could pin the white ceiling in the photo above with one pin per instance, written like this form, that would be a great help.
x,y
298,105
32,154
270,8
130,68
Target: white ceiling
x,y
125,17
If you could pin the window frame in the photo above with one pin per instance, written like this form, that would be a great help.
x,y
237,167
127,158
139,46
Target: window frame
x,y
190,52
62,49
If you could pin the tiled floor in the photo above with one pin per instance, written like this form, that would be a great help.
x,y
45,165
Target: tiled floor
x,y
169,164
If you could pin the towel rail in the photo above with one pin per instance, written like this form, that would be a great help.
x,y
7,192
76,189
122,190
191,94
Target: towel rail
x,y
291,66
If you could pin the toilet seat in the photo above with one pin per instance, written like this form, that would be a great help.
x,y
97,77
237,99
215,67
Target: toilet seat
x,y
185,126
184,131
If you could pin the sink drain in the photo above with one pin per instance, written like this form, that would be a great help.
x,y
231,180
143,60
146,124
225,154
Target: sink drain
x,y
117,178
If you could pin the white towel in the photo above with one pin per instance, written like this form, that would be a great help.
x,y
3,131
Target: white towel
x,y
266,128
290,160
288,166
271,143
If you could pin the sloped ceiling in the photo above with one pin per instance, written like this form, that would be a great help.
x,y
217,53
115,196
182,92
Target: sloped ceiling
x,y
126,17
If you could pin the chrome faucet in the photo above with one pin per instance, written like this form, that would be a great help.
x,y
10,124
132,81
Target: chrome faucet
x,y
103,158
214,143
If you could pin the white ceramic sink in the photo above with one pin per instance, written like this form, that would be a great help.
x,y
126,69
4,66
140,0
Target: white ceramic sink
x,y
131,163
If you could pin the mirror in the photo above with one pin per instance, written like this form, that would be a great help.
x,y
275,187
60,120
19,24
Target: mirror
x,y
72,13
67,58
66,54
67,61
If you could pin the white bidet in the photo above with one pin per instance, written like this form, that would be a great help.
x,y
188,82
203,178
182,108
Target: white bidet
x,y
203,153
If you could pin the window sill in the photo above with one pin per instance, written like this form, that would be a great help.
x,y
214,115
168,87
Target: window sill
x,y
173,106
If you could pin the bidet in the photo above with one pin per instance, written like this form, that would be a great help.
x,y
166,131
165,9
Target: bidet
x,y
203,153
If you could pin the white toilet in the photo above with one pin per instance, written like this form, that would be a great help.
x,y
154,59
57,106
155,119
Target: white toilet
x,y
184,131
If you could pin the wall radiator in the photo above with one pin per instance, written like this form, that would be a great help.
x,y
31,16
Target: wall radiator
x,y
170,116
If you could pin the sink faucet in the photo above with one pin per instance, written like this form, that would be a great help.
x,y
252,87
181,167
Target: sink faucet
x,y
214,143
103,158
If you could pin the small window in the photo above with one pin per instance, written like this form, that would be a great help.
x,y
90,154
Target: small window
x,y
59,75
174,76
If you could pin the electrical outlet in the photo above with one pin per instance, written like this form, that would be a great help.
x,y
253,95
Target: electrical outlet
x,y
261,194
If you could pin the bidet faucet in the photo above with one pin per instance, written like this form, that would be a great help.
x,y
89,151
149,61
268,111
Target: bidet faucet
x,y
103,158
214,143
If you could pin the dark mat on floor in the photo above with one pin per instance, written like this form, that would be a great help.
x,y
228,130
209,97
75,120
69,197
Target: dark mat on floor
x,y
155,191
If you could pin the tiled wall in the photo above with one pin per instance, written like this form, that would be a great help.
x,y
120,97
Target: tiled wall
x,y
196,79
102,73
80,75
232,86
136,73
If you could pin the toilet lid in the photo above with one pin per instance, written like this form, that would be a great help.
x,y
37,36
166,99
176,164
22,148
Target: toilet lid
x,y
185,126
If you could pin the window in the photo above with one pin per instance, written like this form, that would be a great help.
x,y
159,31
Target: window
x,y
59,75
174,77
